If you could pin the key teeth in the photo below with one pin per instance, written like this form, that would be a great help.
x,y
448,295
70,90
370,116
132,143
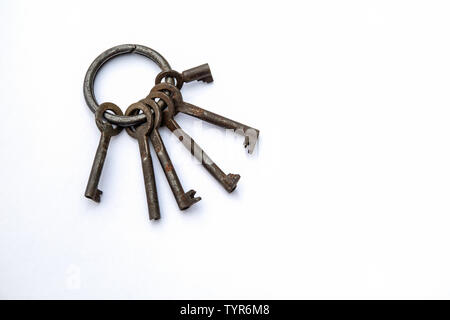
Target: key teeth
x,y
208,79
199,73
231,182
94,197
250,147
246,141
191,193
188,200
250,141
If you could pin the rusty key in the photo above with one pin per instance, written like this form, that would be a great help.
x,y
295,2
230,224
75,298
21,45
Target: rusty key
x,y
228,181
141,133
184,199
107,131
250,134
200,73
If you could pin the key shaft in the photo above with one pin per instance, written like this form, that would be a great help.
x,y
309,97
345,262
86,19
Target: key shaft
x,y
250,134
92,191
149,178
107,131
228,181
199,73
184,199
141,132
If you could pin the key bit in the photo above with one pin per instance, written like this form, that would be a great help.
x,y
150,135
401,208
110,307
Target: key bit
x,y
200,73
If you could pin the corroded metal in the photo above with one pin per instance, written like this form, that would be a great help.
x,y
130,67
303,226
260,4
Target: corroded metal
x,y
141,133
199,73
251,134
107,131
228,181
183,199
88,85
143,119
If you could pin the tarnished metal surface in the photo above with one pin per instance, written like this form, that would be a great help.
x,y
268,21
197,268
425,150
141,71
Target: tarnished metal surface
x,y
88,86
141,133
107,131
200,73
251,134
228,181
143,119
184,199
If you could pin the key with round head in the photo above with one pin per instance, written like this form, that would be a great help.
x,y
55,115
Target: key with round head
x,y
200,73
250,134
183,199
228,181
141,132
107,131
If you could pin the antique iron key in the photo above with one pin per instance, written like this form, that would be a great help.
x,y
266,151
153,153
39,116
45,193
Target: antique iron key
x,y
107,131
228,181
141,133
200,73
250,134
143,119
184,199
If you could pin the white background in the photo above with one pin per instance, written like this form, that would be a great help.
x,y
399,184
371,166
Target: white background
x,y
346,196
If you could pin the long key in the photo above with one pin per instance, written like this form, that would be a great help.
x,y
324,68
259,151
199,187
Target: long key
x,y
107,131
141,133
228,181
250,134
183,199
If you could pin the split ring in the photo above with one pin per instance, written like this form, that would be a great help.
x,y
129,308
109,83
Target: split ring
x,y
88,86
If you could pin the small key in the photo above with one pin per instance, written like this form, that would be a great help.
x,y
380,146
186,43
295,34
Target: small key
x,y
229,182
141,133
107,131
200,73
184,199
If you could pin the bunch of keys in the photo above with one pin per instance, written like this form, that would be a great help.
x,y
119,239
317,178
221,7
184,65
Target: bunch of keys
x,y
143,119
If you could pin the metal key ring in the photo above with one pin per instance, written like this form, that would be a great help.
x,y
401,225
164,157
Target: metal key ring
x,y
88,86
